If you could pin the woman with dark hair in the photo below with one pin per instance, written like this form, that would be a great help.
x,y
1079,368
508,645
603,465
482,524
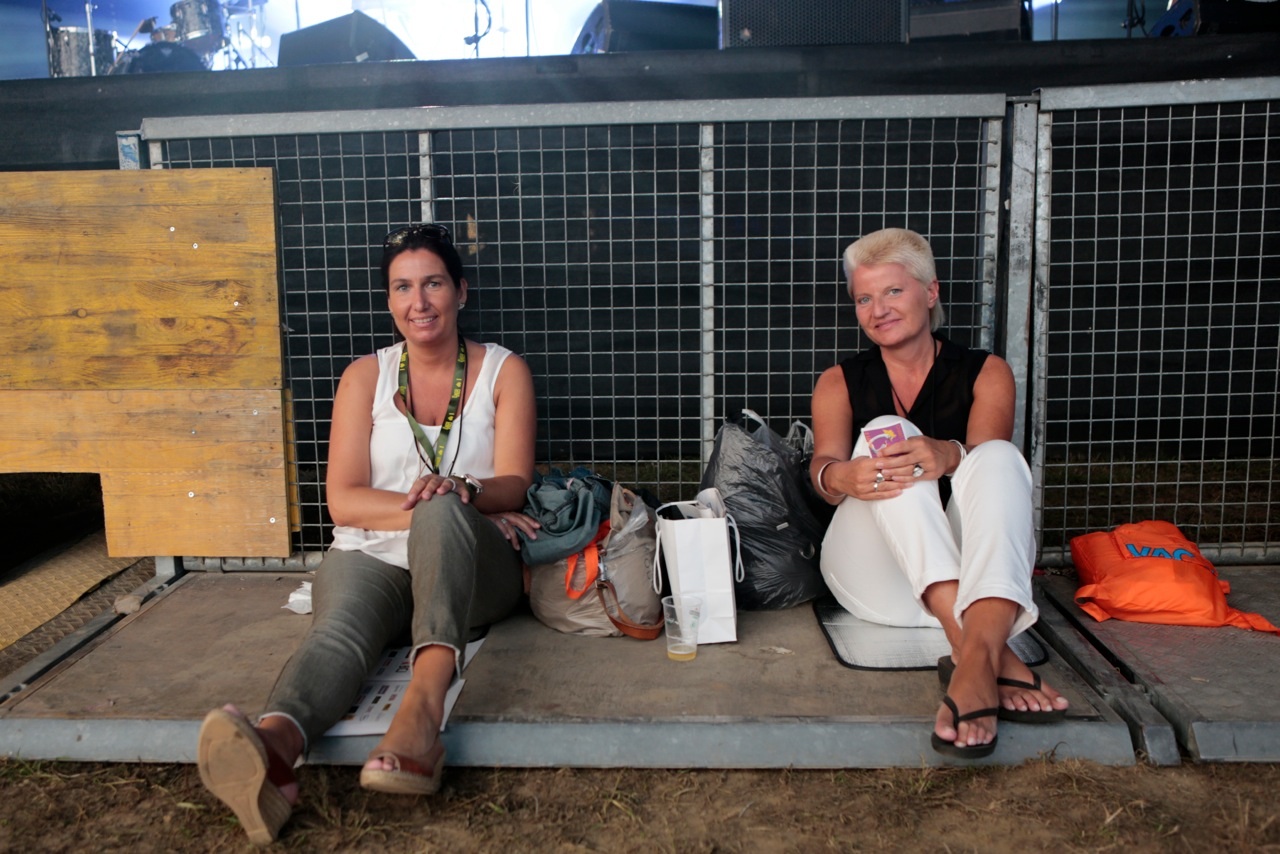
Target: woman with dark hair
x,y
430,458
933,525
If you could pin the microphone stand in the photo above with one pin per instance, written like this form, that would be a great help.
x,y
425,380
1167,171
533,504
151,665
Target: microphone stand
x,y
48,35
93,63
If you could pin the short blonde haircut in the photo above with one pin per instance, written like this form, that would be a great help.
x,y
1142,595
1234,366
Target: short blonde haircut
x,y
896,246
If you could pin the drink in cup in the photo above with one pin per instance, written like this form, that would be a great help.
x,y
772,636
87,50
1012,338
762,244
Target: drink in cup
x,y
682,614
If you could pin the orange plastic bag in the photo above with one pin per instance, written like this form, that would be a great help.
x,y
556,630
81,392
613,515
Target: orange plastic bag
x,y
1148,572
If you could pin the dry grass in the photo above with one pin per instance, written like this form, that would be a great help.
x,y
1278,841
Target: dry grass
x,y
1069,805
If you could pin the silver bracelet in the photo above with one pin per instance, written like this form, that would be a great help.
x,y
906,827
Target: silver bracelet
x,y
818,480
963,453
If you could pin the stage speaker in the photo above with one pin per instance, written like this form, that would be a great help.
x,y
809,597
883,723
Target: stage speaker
x,y
351,38
617,26
986,20
771,23
1207,17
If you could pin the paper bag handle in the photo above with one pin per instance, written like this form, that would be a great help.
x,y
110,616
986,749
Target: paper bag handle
x,y
739,573
657,556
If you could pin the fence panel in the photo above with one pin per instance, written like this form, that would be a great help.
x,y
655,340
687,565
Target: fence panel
x,y
662,265
658,273
1160,338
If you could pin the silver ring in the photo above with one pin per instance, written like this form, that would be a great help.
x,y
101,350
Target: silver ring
x,y
875,487
502,520
879,478
917,471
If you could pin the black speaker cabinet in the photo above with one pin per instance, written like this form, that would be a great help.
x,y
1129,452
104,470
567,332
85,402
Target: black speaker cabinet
x,y
1208,17
987,20
773,23
351,38
616,26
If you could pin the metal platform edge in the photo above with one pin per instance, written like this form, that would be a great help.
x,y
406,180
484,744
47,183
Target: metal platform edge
x,y
738,744
13,684
1235,741
1153,736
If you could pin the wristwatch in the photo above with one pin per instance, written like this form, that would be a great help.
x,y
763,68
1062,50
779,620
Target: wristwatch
x,y
473,484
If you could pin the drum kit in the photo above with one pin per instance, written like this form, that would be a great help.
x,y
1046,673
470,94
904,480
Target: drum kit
x,y
196,39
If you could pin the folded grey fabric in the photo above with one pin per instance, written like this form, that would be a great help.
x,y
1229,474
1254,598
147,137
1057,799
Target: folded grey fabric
x,y
570,509
872,646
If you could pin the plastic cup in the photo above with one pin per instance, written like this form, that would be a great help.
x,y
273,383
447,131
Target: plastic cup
x,y
682,614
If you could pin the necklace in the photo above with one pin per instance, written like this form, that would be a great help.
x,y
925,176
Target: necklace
x,y
421,443
933,356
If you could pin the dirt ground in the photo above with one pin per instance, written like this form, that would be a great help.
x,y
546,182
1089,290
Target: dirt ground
x,y
1069,806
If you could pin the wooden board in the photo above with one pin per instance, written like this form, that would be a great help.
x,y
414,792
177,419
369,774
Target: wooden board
x,y
147,279
140,324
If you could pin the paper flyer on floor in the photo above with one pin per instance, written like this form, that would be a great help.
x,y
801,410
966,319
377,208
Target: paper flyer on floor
x,y
380,695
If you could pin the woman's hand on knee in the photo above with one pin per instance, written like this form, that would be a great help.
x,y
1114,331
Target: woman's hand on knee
x,y
866,478
428,486
880,483
917,458
511,524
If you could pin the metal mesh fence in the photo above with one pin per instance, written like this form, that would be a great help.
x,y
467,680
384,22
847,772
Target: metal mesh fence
x,y
790,196
1163,324
584,246
588,251
659,276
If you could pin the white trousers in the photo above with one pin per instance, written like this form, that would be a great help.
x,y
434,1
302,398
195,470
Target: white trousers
x,y
879,557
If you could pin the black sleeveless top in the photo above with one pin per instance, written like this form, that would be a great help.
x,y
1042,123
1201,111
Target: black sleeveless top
x,y
940,410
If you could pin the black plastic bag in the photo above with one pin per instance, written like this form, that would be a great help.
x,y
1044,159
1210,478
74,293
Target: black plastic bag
x,y
761,478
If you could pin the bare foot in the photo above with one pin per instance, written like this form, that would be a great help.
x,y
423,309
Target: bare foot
x,y
414,733
1026,699
281,736
973,687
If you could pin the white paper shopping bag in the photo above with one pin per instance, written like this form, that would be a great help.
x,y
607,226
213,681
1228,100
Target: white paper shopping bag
x,y
698,544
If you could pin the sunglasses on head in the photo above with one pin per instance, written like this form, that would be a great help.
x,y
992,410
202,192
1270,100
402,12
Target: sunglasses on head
x,y
431,231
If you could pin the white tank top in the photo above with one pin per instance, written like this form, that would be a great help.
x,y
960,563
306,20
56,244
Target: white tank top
x,y
393,458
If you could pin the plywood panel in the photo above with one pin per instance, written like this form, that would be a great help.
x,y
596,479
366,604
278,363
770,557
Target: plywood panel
x,y
233,513
102,416
148,279
141,333
183,472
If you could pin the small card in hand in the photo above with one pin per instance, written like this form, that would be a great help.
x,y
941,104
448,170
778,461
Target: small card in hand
x,y
881,438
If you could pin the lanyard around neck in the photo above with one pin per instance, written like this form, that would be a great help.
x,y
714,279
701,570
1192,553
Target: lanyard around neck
x,y
459,382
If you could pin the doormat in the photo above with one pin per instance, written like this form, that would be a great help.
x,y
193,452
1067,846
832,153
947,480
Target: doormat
x,y
41,589
872,646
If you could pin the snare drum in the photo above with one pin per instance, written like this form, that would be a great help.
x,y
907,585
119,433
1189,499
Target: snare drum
x,y
69,52
199,24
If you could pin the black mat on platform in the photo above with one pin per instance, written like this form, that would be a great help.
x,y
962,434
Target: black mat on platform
x,y
871,646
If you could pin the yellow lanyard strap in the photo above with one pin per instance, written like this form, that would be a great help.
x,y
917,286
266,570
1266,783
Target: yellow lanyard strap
x,y
459,382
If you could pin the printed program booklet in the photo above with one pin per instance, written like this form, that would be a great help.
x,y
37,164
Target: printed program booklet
x,y
380,695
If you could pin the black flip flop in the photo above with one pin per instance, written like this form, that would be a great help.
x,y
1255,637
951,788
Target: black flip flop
x,y
946,667
973,751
